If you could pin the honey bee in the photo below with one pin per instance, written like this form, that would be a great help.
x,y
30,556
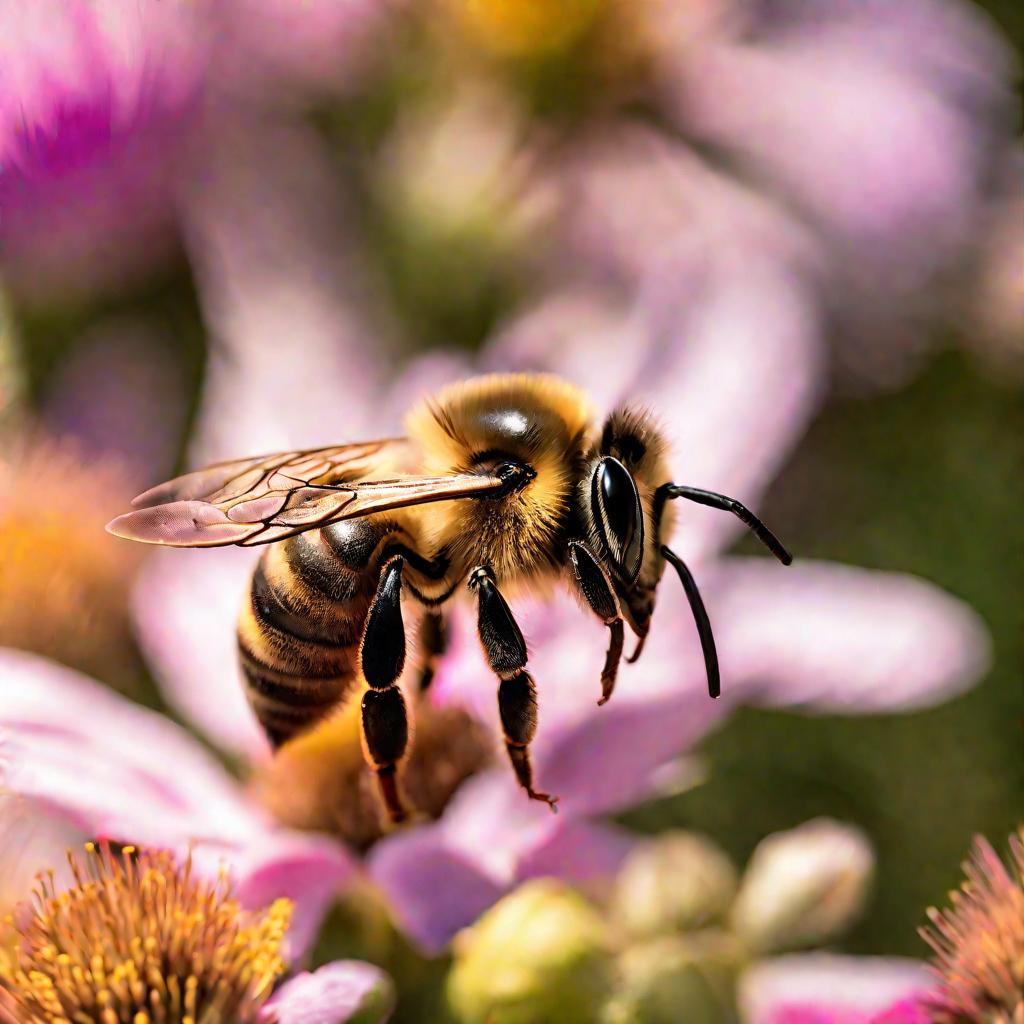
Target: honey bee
x,y
500,481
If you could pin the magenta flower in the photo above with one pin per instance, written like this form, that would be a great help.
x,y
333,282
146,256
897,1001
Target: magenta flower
x,y
106,107
95,98
822,988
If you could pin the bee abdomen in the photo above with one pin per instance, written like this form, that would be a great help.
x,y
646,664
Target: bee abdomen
x,y
299,631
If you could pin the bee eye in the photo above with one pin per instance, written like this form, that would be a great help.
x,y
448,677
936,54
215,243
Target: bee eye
x,y
615,503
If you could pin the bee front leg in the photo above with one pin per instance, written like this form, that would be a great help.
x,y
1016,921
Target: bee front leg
x,y
594,584
505,649
382,657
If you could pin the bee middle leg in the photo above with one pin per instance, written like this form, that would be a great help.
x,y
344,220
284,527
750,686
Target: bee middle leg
x,y
593,583
382,657
505,650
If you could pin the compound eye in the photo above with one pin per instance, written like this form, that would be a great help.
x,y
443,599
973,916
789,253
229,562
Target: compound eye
x,y
620,525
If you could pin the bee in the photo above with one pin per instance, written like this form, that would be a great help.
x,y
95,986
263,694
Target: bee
x,y
500,481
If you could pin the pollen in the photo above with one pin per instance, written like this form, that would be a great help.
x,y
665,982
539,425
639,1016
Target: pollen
x,y
64,582
320,781
139,939
979,941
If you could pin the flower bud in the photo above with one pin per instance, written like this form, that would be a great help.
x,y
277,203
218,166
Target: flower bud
x,y
677,882
676,978
539,954
803,886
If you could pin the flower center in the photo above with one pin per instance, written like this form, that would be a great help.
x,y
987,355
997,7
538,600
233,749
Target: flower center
x,y
320,781
979,941
63,580
520,28
139,939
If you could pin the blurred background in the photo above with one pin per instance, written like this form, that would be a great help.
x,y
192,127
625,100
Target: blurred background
x,y
441,135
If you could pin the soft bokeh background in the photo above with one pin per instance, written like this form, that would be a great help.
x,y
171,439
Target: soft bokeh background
x,y
923,474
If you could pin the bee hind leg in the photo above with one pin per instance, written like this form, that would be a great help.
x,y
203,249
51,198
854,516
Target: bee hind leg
x,y
384,715
433,643
593,583
517,695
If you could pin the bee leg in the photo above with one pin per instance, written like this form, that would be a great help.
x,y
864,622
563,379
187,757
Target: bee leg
x,y
382,657
595,586
433,641
505,649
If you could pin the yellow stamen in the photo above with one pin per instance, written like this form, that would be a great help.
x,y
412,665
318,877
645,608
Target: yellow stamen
x,y
139,939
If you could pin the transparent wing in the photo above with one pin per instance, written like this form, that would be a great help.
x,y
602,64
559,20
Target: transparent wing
x,y
268,498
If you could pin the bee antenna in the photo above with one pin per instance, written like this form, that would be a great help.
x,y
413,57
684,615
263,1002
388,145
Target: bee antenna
x,y
700,617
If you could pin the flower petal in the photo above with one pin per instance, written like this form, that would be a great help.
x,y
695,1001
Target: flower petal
x,y
434,888
279,291
734,387
884,162
838,983
586,855
346,990
186,605
307,869
841,639
113,767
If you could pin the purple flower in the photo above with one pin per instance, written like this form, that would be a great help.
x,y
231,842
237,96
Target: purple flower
x,y
95,96
822,988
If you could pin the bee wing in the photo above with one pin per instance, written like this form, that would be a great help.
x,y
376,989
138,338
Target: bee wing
x,y
265,499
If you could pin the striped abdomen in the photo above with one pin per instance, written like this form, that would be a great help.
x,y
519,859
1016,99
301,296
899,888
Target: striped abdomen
x,y
299,632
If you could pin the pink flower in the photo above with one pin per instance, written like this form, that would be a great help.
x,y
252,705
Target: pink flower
x,y
822,988
733,373
106,106
112,769
853,143
815,635
95,97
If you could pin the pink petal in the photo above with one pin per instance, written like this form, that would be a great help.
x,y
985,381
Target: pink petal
x,y
885,163
113,767
279,49
186,608
281,295
434,888
333,994
952,47
842,984
841,639
586,855
734,386
307,869
576,334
